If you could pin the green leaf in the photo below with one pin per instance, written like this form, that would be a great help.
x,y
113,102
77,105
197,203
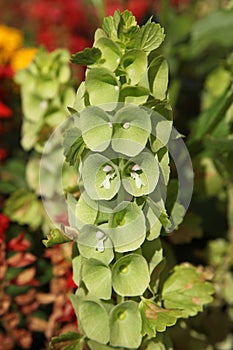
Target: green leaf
x,y
186,289
86,57
130,275
111,53
149,37
134,63
131,131
155,318
97,278
125,325
158,77
67,341
148,175
97,346
110,25
127,228
77,269
96,128
93,318
24,207
73,145
211,30
161,132
210,118
55,237
102,87
100,183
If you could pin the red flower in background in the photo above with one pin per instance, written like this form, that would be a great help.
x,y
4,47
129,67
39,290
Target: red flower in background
x,y
4,224
19,243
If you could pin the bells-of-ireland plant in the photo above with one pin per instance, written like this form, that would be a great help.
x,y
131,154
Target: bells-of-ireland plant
x,y
119,144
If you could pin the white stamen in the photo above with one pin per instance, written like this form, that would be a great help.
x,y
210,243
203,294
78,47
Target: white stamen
x,y
126,125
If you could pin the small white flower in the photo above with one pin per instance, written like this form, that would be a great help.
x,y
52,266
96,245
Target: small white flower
x,y
107,168
101,238
99,235
109,176
126,125
138,181
136,167
100,246
110,124
44,104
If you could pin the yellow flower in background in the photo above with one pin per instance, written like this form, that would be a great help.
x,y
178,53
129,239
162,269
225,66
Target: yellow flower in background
x,y
11,39
22,58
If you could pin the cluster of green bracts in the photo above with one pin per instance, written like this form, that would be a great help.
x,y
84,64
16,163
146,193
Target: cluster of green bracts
x,y
119,147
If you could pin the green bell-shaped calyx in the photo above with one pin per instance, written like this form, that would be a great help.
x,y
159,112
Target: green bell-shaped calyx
x,y
130,275
96,128
125,325
141,174
127,228
132,127
100,177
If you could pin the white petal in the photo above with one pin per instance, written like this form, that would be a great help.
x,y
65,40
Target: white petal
x,y
100,246
107,168
99,235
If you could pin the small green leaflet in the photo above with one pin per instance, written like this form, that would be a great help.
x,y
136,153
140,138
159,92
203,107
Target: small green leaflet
x,y
73,145
187,290
67,341
149,37
155,318
86,57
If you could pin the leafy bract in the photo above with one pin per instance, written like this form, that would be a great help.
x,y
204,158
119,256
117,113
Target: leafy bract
x,y
155,318
93,318
187,290
130,275
158,77
86,57
125,325
67,341
73,145
149,37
